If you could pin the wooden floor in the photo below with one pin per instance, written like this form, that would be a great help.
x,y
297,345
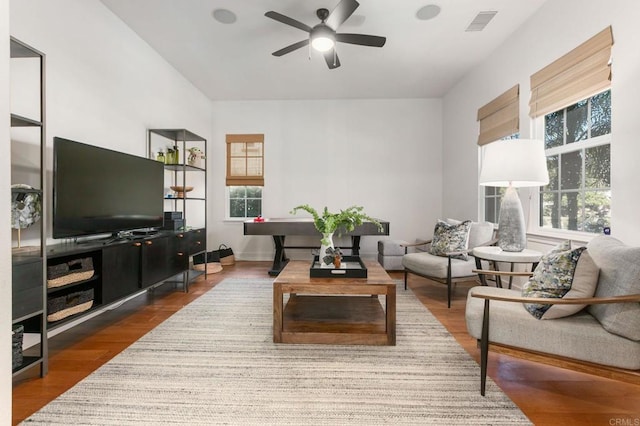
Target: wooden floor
x,y
548,395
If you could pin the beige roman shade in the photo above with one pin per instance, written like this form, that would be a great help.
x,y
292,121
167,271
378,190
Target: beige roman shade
x,y
245,160
500,117
581,73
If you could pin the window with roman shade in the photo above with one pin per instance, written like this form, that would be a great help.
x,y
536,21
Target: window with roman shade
x,y
571,102
579,74
500,117
245,160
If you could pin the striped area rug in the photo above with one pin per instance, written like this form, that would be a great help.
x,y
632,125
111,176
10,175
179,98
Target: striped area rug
x,y
214,362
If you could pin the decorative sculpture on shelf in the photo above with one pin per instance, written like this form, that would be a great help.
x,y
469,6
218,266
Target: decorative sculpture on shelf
x,y
26,207
195,155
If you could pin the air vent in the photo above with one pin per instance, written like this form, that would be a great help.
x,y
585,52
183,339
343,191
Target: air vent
x,y
481,20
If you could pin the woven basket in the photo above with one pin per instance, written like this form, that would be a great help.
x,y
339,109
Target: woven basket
x,y
211,268
57,316
73,303
69,272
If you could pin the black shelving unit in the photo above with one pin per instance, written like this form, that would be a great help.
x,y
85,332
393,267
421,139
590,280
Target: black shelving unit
x,y
180,173
29,267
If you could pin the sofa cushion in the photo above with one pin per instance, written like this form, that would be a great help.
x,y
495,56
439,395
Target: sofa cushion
x,y
450,238
619,275
555,277
585,281
429,265
479,233
578,336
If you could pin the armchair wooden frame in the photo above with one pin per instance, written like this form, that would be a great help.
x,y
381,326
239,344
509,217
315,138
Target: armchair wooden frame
x,y
484,338
449,280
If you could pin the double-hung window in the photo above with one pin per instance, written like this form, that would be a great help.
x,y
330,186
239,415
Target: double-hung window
x,y
571,105
578,149
245,175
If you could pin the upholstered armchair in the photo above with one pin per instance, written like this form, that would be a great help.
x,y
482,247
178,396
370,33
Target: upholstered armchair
x,y
448,260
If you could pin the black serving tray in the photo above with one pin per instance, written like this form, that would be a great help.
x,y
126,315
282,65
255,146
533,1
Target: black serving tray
x,y
352,267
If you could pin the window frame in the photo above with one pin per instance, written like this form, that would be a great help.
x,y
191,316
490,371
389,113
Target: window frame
x,y
245,179
227,205
538,124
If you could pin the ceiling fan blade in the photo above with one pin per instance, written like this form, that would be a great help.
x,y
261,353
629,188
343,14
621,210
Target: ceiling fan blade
x,y
332,59
286,20
341,13
362,39
291,48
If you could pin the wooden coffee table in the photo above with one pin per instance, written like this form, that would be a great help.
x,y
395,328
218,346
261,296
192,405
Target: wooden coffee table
x,y
334,310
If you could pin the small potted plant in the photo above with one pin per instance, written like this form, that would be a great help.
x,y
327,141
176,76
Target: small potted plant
x,y
328,223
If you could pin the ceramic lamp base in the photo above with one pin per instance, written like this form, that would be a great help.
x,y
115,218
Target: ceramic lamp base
x,y
512,235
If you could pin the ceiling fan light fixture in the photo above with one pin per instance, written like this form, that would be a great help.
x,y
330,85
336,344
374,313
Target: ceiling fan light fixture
x,y
322,38
322,44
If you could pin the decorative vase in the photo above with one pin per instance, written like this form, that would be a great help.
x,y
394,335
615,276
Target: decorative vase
x,y
325,243
512,235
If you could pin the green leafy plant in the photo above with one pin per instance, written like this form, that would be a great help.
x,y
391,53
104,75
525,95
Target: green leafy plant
x,y
345,220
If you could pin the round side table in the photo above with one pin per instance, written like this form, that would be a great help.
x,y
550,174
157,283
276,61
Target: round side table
x,y
494,254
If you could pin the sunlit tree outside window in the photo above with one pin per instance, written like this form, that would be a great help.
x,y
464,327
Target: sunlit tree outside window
x,y
245,201
578,149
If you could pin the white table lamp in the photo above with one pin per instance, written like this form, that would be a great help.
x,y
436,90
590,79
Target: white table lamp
x,y
513,163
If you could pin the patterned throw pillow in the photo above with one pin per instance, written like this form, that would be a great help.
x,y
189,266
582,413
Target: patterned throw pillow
x,y
562,272
448,238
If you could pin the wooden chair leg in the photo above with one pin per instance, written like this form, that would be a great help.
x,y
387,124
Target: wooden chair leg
x,y
405,279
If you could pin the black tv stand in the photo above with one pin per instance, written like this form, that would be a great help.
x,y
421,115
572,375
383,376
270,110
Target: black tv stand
x,y
124,266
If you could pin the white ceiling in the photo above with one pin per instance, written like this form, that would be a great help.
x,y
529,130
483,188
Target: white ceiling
x,y
421,59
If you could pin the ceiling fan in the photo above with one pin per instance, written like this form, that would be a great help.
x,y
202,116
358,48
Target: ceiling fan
x,y
323,36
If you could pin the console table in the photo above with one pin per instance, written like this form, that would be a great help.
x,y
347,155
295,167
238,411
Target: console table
x,y
280,228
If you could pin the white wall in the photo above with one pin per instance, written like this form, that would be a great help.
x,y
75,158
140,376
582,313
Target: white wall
x,y
5,236
384,155
105,86
558,26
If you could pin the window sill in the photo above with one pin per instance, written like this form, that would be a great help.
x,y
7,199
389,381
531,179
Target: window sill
x,y
557,235
237,219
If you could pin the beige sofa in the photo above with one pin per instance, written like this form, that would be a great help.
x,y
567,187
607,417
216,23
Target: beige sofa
x,y
607,332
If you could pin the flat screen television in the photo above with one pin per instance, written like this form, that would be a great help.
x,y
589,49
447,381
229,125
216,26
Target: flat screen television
x,y
98,191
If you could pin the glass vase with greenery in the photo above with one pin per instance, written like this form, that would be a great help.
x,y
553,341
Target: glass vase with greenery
x,y
328,223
